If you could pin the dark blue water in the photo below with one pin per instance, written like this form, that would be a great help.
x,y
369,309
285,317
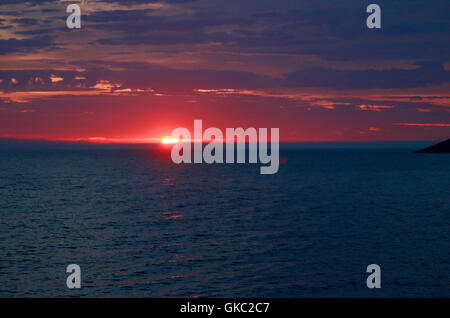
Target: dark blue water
x,y
139,225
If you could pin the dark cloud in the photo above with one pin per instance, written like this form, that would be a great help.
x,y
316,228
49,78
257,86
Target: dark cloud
x,y
148,1
327,29
26,45
331,30
35,31
3,25
135,75
160,38
25,21
139,75
28,2
144,75
425,74
140,21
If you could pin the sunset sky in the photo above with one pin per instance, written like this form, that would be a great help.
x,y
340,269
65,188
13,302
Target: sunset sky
x,y
138,69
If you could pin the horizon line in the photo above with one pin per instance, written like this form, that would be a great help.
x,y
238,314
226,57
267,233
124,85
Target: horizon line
x,y
144,141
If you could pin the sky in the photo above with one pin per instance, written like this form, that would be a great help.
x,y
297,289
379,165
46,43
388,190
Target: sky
x,y
138,69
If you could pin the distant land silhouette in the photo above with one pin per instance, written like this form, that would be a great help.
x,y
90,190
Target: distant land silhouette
x,y
442,147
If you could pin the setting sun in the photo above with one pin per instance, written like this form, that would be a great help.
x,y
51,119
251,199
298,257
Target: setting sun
x,y
169,140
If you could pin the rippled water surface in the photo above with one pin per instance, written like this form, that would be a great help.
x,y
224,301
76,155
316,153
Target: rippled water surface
x,y
139,225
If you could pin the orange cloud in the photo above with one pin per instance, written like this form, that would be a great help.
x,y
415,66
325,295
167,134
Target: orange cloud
x,y
423,125
424,110
375,108
105,85
56,79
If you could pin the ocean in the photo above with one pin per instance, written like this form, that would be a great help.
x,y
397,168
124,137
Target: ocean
x,y
140,226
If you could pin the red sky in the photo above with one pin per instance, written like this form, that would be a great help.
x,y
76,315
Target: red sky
x,y
138,69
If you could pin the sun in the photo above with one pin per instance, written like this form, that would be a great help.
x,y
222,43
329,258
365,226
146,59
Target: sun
x,y
169,140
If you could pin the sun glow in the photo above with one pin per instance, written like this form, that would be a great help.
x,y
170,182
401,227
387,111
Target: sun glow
x,y
169,140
